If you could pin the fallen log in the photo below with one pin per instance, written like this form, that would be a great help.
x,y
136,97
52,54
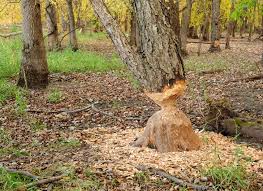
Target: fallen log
x,y
176,180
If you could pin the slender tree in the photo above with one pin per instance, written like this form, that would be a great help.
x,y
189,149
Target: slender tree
x,y
185,25
53,43
34,68
158,65
72,27
215,25
230,25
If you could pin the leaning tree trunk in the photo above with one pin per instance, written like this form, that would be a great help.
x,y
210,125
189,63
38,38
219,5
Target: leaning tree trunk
x,y
34,68
158,65
52,26
185,25
215,31
72,27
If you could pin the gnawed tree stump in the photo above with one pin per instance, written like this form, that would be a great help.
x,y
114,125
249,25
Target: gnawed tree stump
x,y
169,129
158,65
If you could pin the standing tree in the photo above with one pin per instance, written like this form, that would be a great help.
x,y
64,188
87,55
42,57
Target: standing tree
x,y
158,65
72,27
185,25
215,25
230,25
52,26
34,68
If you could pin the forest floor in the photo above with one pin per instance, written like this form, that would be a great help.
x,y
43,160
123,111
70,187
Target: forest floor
x,y
82,124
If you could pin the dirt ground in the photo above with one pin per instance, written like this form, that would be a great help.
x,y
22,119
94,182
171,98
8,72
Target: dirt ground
x,y
115,113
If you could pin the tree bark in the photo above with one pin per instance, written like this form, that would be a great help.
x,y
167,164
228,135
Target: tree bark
x,y
52,26
158,65
185,25
64,24
251,24
215,24
230,26
34,68
72,27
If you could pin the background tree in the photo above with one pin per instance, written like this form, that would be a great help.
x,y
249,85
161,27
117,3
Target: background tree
x,y
52,26
230,25
215,26
186,16
72,27
158,65
34,69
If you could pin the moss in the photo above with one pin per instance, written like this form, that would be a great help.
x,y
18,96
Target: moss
x,y
244,123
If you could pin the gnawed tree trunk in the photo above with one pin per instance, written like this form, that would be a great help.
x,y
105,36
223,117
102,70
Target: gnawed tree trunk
x,y
159,67
215,31
34,69
72,27
52,26
185,25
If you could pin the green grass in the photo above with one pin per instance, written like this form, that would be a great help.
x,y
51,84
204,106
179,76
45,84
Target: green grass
x,y
55,96
91,36
81,61
13,151
64,61
12,181
7,91
232,177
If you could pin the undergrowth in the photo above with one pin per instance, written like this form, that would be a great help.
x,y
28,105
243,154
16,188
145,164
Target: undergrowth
x,y
13,181
233,176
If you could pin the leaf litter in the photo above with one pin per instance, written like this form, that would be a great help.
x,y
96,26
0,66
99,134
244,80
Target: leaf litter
x,y
94,139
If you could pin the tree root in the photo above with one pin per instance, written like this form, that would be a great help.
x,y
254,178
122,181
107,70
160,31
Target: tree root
x,y
178,181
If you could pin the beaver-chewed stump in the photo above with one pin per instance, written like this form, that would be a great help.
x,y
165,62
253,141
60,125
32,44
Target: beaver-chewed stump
x,y
169,129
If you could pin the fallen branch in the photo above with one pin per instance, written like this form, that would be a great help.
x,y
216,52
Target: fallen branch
x,y
62,38
10,34
94,108
45,181
22,172
172,178
61,111
253,78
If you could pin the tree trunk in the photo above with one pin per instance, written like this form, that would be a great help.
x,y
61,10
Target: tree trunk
x,y
34,69
185,25
215,31
64,24
158,65
243,27
234,29
230,26
72,27
251,24
52,26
